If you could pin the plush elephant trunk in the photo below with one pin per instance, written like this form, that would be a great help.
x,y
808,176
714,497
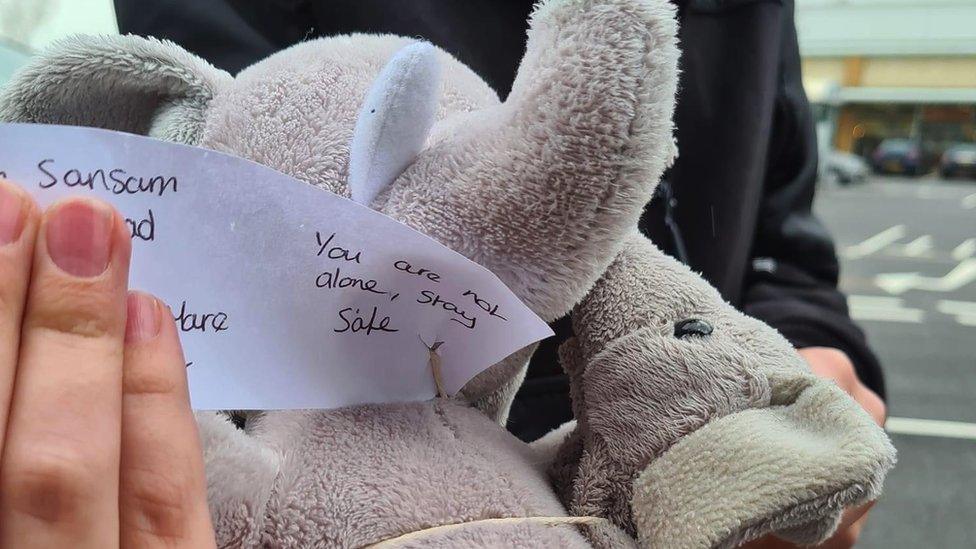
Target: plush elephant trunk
x,y
541,188
709,436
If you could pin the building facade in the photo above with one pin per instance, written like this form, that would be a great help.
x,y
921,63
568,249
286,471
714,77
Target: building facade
x,y
878,69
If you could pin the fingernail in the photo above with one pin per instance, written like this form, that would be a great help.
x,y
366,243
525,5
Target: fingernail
x,y
142,320
11,214
79,237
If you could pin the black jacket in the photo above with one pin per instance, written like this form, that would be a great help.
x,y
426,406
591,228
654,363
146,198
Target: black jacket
x,y
736,204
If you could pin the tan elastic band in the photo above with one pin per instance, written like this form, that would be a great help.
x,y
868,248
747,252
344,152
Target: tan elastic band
x,y
435,366
419,535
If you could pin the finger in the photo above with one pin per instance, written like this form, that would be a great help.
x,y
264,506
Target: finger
x,y
769,541
855,516
831,364
835,365
849,530
858,525
18,226
163,495
870,401
60,468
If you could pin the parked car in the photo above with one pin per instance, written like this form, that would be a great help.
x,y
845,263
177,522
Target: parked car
x,y
899,156
844,168
959,160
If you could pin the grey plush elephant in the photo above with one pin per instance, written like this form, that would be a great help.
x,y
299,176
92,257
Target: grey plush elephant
x,y
696,425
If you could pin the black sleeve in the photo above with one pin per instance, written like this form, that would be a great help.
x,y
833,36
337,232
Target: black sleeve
x,y
792,281
231,34
486,35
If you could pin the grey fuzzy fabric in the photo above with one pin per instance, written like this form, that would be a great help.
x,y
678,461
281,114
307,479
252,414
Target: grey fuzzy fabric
x,y
544,190
571,156
121,83
365,474
706,440
493,390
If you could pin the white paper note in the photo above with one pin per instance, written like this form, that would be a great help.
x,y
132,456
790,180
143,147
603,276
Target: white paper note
x,y
287,296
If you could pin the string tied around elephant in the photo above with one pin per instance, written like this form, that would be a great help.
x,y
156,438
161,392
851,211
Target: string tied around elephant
x,y
428,533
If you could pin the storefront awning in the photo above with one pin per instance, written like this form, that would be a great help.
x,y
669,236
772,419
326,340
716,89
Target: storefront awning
x,y
918,96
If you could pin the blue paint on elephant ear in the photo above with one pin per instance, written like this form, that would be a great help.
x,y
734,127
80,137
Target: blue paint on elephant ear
x,y
395,120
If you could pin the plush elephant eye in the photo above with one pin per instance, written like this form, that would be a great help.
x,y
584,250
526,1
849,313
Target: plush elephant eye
x,y
692,327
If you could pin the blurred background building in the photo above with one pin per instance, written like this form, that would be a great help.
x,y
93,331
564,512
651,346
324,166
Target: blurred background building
x,y
11,56
874,69
887,69
28,25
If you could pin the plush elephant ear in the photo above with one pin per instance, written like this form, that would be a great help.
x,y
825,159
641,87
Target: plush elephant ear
x,y
395,120
125,83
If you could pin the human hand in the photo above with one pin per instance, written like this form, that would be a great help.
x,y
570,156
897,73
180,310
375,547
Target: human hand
x,y
836,365
98,445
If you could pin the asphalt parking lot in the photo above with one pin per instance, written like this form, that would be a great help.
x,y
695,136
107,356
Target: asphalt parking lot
x,y
908,253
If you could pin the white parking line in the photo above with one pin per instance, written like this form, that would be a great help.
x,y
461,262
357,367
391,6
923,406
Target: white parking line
x,y
893,309
899,283
964,311
876,243
969,202
965,250
919,246
874,301
883,309
931,428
